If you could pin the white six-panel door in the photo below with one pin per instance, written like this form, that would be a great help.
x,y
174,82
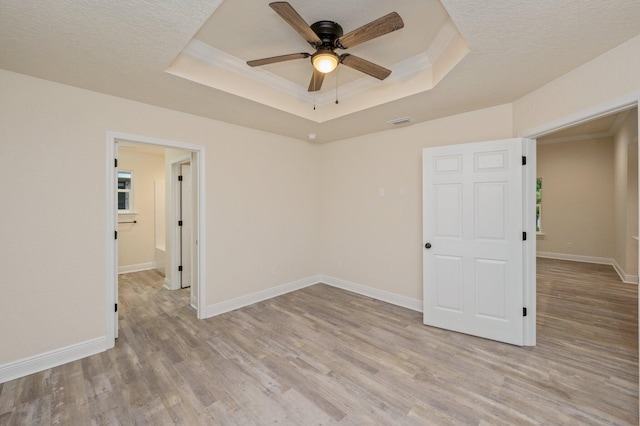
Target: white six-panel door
x,y
473,236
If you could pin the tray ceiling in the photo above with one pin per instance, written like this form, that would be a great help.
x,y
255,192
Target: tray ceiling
x,y
124,48
419,55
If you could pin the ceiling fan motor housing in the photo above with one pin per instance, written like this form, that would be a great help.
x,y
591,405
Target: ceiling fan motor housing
x,y
326,36
328,32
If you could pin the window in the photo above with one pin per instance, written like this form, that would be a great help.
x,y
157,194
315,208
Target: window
x,y
539,205
125,191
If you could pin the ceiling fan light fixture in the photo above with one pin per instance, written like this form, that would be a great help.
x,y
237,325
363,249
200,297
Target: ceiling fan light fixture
x,y
325,61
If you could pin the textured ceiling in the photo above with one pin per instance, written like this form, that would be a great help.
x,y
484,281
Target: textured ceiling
x,y
123,48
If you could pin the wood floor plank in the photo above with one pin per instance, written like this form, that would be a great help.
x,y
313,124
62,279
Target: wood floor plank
x,y
325,356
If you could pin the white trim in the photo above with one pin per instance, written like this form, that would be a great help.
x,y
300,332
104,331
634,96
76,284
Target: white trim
x,y
575,257
137,267
576,138
200,234
629,279
111,245
250,299
219,58
626,278
374,293
400,71
111,225
529,296
591,136
167,284
612,106
46,360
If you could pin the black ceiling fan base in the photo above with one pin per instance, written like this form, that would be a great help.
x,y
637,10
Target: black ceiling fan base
x,y
326,36
328,32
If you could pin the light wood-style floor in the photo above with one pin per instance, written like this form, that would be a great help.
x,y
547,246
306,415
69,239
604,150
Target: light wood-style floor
x,y
325,356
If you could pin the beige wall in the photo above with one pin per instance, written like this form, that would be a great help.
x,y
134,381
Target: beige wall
x,y
262,208
577,198
607,77
269,198
136,242
377,241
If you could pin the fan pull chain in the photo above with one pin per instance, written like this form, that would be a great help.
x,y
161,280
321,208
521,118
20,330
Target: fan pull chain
x,y
313,77
337,85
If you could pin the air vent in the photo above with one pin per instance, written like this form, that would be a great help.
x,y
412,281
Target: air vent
x,y
399,121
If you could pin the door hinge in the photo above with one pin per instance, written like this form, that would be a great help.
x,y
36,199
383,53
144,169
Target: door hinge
x,y
180,268
524,312
179,223
116,308
115,162
524,160
115,235
524,236
180,178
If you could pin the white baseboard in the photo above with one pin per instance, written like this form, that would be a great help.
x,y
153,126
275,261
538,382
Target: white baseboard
x,y
374,293
34,364
136,268
250,299
629,279
575,257
166,283
384,296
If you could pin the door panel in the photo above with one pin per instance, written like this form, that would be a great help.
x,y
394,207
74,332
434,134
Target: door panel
x,y
473,221
448,214
448,283
491,285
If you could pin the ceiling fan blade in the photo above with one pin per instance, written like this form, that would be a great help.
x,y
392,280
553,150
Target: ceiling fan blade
x,y
316,81
274,59
289,14
377,28
364,66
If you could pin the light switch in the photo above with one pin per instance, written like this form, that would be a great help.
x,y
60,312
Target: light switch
x,y
381,192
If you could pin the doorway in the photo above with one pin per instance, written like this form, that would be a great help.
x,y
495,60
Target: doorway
x,y
181,157
588,193
611,107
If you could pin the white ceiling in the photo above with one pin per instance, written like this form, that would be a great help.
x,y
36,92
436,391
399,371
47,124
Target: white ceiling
x,y
124,48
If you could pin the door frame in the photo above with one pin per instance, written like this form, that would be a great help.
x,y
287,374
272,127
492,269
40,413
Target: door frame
x,y
111,273
173,280
612,106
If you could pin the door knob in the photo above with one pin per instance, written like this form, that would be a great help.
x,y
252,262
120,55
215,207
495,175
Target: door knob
x,y
427,246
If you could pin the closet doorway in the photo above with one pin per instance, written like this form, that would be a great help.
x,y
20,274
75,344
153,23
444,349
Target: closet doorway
x,y
155,211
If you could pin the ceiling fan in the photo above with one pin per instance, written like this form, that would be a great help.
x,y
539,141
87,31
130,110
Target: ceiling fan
x,y
325,37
